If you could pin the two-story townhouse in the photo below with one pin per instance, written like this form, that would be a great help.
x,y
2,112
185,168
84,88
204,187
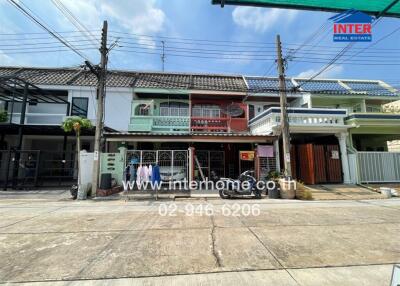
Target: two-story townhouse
x,y
172,112
33,125
330,119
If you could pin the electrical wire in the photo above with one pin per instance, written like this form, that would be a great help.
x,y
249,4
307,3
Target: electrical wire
x,y
75,21
29,14
338,56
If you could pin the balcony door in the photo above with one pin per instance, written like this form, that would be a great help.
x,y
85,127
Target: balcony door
x,y
207,110
180,109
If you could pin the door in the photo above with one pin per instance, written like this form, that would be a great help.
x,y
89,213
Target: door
x,y
333,164
318,164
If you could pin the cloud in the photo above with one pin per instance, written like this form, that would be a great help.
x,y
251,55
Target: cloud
x,y
261,19
138,17
331,72
86,11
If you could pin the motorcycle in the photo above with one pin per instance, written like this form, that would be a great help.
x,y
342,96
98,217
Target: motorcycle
x,y
233,188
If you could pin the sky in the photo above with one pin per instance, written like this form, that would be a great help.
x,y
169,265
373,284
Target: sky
x,y
247,31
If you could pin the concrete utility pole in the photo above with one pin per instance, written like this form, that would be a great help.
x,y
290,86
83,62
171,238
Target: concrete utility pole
x,y
101,86
163,55
283,104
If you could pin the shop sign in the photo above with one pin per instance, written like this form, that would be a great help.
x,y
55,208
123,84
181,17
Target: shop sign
x,y
246,155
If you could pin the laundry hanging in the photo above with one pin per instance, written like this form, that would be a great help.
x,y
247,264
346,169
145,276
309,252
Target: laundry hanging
x,y
155,176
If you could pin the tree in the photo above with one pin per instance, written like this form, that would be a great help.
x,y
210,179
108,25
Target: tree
x,y
77,124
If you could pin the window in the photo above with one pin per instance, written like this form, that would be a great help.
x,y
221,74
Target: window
x,y
251,111
357,108
142,109
206,110
373,108
79,106
174,109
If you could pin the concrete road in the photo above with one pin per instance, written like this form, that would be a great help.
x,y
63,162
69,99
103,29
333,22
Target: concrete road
x,y
198,242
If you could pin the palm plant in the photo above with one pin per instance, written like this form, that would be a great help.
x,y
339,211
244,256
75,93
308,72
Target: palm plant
x,y
77,124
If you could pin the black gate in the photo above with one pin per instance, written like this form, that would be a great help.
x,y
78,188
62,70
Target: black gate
x,y
210,161
26,169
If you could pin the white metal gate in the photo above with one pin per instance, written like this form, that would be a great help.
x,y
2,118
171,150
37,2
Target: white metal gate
x,y
378,167
266,165
173,163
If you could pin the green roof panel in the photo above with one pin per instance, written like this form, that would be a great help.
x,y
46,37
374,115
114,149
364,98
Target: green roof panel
x,y
373,7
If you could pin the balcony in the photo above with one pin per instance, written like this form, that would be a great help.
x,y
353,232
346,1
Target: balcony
x,y
209,118
374,122
301,120
150,123
209,124
39,114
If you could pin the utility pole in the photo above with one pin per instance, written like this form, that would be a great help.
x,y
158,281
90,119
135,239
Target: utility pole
x,y
283,104
163,55
101,87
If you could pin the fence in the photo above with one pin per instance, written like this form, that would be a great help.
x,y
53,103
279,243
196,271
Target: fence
x,y
173,163
378,167
34,168
210,161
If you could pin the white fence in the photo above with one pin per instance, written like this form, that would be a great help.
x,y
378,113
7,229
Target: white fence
x,y
298,117
378,167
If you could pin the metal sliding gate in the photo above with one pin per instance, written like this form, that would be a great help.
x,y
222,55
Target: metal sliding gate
x,y
211,161
378,167
173,163
21,169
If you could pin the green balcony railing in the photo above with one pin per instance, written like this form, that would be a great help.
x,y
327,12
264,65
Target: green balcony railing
x,y
149,123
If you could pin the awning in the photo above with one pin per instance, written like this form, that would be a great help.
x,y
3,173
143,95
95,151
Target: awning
x,y
390,8
192,137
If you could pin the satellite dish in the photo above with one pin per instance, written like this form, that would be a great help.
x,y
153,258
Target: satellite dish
x,y
233,110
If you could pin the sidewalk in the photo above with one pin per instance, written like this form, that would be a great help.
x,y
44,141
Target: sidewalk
x,y
370,275
319,193
343,192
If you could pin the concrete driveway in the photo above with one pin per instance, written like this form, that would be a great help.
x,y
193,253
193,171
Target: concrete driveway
x,y
61,242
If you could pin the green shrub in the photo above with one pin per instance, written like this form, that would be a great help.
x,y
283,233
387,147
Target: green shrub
x,y
3,116
303,193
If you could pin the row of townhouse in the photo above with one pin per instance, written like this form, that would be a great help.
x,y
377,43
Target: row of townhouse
x,y
340,129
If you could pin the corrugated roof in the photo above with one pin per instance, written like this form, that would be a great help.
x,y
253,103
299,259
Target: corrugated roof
x,y
220,134
322,86
266,84
193,81
372,88
54,76
261,85
159,80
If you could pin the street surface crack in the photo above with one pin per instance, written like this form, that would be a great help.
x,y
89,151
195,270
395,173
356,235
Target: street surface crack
x,y
214,251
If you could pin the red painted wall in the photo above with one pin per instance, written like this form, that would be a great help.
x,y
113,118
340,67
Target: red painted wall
x,y
230,124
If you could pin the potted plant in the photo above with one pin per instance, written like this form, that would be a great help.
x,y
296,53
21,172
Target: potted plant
x,y
288,187
77,124
274,176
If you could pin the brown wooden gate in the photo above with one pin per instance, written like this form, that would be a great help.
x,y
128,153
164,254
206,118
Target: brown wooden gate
x,y
317,164
333,164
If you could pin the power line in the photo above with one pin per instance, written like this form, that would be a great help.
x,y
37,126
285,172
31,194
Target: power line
x,y
75,21
375,43
338,56
42,33
43,26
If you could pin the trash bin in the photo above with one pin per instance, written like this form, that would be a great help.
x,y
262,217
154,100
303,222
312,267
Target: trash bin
x,y
274,193
387,192
105,181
